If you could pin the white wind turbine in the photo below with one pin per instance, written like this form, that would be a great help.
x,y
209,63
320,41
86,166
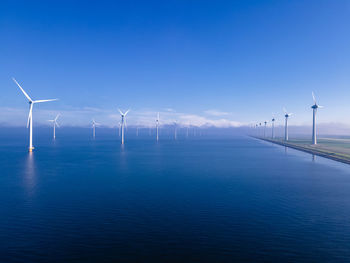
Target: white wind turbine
x,y
265,122
175,130
286,115
273,127
314,111
260,129
94,124
30,115
157,126
54,121
123,122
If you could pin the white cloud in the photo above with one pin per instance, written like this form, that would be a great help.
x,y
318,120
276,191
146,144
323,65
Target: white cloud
x,y
214,112
71,116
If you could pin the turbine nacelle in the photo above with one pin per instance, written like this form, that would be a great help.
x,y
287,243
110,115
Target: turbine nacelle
x,y
315,106
94,123
123,114
286,114
54,121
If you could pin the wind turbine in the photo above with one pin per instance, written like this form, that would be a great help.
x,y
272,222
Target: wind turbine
x,y
123,122
273,127
94,124
54,121
265,122
119,128
157,126
314,111
175,130
260,129
286,115
30,115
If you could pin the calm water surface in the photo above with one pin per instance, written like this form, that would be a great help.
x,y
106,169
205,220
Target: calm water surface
x,y
199,200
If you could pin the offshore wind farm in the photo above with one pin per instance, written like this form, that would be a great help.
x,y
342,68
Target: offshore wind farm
x,y
175,131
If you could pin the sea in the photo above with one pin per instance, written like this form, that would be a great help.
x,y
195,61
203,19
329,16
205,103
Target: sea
x,y
194,199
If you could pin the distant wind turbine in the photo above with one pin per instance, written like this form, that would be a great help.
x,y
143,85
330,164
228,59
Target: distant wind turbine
x,y
265,122
314,111
286,115
54,121
157,126
175,130
94,124
260,129
30,115
273,127
123,122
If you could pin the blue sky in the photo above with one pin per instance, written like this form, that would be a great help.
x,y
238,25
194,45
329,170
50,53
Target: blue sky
x,y
218,62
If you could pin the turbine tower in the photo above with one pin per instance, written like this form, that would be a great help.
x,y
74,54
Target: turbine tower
x,y
123,122
260,129
265,122
314,111
157,126
286,115
54,121
30,115
175,130
94,124
273,127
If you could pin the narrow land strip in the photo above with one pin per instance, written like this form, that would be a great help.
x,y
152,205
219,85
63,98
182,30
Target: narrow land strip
x,y
322,151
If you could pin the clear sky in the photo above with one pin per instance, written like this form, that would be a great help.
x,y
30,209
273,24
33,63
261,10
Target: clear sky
x,y
221,62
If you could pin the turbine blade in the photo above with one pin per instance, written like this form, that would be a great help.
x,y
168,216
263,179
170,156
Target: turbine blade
x,y
57,124
320,106
121,113
284,110
25,94
58,115
38,101
30,114
313,97
126,112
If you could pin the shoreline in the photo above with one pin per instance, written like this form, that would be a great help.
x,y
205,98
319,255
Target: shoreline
x,y
339,157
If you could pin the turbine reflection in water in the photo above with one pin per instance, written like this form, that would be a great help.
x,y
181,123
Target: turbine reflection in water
x,y
30,173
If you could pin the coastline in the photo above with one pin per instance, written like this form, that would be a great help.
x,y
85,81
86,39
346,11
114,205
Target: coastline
x,y
333,155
